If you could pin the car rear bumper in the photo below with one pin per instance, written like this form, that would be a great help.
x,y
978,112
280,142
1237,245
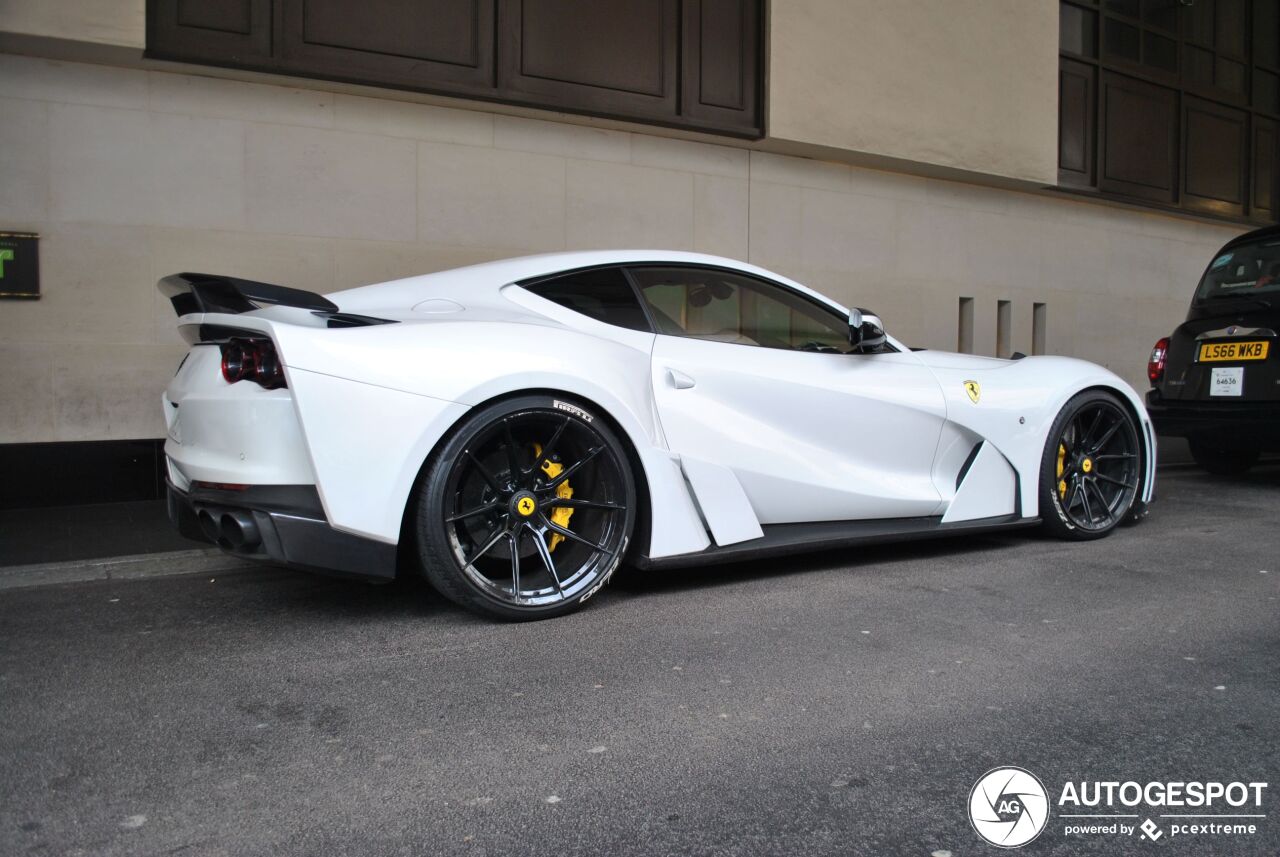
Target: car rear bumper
x,y
1252,423
282,524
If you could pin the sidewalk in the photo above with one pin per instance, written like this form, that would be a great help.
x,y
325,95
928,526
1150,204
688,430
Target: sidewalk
x,y
106,541
66,533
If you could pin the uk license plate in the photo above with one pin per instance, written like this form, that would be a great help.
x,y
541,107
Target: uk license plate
x,y
1226,381
1233,352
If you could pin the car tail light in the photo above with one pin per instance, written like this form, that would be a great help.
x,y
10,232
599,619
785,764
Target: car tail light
x,y
253,360
1155,363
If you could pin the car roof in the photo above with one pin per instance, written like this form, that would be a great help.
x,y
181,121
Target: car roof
x,y
1249,237
481,284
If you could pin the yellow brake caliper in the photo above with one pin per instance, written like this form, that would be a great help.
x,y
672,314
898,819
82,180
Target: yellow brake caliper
x,y
560,517
1062,483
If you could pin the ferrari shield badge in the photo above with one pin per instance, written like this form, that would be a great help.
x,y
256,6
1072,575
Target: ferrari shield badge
x,y
974,389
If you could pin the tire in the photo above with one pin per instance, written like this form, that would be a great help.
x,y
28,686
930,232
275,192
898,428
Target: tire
x,y
1223,461
1091,469
527,509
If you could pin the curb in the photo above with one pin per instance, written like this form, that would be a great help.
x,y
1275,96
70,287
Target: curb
x,y
136,567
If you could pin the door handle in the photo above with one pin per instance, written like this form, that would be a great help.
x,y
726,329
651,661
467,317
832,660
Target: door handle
x,y
679,380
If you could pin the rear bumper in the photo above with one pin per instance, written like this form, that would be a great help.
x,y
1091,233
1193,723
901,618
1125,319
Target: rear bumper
x,y
282,524
1252,423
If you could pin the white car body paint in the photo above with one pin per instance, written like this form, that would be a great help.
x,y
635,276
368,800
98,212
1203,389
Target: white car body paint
x,y
763,436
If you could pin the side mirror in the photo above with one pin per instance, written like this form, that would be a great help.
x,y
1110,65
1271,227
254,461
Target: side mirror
x,y
866,331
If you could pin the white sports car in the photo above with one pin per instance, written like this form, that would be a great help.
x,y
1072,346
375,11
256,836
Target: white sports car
x,y
517,429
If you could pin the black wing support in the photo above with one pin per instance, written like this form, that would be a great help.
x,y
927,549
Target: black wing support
x,y
191,293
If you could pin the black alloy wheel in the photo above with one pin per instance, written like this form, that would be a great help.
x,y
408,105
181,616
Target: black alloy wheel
x,y
527,510
1091,471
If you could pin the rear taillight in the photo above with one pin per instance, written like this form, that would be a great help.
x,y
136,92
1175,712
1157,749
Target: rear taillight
x,y
252,360
1155,363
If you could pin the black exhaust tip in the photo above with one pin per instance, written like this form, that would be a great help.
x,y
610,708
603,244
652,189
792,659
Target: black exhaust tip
x,y
239,530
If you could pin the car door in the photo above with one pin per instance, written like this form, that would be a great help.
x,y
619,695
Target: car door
x,y
756,378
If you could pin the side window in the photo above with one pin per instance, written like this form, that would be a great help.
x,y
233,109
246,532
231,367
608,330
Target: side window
x,y
602,293
704,303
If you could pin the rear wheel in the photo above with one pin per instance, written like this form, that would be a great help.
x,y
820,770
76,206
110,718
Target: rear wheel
x,y
527,510
1091,468
1223,460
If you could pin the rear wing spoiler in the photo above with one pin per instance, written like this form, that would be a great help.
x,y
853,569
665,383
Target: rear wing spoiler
x,y
193,293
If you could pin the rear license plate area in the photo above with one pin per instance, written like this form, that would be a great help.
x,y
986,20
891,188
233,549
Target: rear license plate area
x,y
1232,352
1226,381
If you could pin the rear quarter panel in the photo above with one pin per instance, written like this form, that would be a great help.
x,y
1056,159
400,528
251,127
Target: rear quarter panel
x,y
374,401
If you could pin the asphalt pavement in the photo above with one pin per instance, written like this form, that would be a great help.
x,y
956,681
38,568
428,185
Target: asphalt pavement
x,y
843,703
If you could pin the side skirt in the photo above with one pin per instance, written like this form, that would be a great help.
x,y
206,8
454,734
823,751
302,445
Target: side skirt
x,y
782,539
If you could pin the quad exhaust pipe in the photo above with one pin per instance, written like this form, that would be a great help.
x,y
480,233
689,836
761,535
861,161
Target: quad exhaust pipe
x,y
231,529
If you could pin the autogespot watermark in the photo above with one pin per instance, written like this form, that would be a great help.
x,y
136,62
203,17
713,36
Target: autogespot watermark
x,y
1009,807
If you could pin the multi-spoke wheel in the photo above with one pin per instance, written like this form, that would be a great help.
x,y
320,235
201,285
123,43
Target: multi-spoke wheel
x,y
1092,467
527,510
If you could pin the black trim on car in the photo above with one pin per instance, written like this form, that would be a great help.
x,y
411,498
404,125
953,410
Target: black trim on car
x,y
968,462
282,524
190,293
351,319
783,539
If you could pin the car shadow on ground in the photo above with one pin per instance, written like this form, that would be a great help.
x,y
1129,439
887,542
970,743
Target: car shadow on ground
x,y
1266,473
863,559
410,596
300,592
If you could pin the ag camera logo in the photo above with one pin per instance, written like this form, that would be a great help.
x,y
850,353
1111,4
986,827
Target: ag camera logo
x,y
1008,807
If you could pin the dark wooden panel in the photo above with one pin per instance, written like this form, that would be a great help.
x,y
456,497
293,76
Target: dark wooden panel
x,y
617,45
1266,151
1077,93
229,16
1077,30
1139,140
1229,27
615,58
686,63
1215,150
424,44
228,32
720,62
440,31
1266,33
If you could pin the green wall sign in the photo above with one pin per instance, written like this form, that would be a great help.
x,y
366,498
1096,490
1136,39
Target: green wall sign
x,y
19,265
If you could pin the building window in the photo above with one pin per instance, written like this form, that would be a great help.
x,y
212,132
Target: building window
x,y
1173,103
687,63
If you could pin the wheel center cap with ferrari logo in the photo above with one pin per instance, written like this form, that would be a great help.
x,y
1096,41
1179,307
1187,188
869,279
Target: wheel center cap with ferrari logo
x,y
524,504
1087,465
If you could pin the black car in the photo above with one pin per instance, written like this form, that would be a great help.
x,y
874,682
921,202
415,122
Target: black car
x,y
1216,379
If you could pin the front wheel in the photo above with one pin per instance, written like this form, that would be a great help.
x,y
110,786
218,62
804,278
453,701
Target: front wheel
x,y
1091,469
527,509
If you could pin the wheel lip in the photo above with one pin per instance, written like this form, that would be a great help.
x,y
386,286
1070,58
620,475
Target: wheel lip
x,y
587,577
1134,470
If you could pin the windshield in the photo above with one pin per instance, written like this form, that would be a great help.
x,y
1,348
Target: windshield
x,y
1246,271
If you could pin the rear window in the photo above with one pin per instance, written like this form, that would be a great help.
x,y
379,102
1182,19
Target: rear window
x,y
603,294
1244,271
